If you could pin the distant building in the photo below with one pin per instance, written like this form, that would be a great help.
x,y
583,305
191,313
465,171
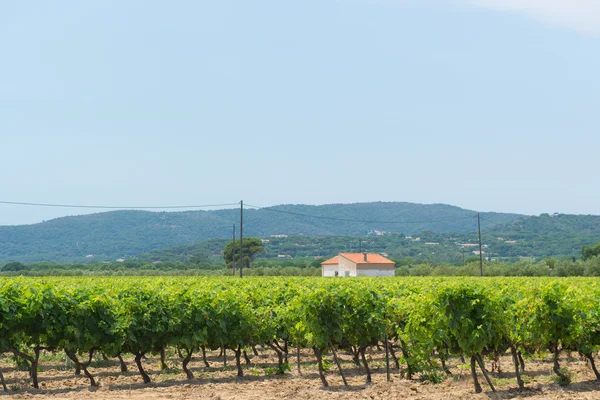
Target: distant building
x,y
358,264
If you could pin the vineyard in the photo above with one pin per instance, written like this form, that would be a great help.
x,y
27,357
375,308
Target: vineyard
x,y
417,326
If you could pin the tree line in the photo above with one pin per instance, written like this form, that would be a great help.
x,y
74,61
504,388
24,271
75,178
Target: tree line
x,y
256,265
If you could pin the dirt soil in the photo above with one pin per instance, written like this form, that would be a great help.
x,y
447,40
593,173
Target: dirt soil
x,y
57,381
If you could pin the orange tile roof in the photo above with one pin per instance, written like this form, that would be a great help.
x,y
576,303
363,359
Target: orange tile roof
x,y
372,258
331,261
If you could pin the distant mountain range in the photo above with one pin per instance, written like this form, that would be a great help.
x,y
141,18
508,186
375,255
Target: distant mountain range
x,y
123,234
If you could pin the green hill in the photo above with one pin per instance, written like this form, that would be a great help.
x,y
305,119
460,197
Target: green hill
x,y
538,237
123,234
545,235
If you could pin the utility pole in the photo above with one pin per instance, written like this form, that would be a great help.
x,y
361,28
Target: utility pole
x,y
241,237
233,247
480,252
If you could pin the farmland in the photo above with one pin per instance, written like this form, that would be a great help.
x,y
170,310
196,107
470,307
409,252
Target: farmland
x,y
472,334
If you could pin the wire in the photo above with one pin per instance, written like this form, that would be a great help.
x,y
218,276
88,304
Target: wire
x,y
357,220
228,205
114,207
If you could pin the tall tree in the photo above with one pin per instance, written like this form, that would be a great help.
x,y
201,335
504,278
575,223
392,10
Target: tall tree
x,y
589,252
252,247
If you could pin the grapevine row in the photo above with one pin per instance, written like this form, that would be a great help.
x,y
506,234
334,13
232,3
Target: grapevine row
x,y
421,322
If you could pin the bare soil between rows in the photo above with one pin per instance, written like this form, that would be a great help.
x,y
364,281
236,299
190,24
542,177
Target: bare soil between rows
x,y
259,382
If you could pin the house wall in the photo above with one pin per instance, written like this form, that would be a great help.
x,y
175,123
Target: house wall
x,y
347,267
376,270
329,270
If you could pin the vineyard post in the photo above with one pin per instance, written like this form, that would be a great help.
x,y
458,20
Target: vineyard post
x,y
480,252
241,237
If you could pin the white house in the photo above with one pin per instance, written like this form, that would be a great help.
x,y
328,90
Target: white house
x,y
358,264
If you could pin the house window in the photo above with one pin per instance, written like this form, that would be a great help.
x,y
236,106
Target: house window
x,y
346,273
336,273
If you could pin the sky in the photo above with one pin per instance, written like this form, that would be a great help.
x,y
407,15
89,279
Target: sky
x,y
490,105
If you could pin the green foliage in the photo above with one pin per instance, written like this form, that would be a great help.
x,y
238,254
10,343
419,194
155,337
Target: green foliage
x,y
79,320
250,248
552,316
589,252
14,266
327,365
472,316
564,379
147,317
434,376
285,367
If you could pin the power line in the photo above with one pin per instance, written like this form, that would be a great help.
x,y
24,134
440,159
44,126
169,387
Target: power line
x,y
359,220
19,203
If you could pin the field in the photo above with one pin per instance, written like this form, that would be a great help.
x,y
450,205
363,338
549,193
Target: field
x,y
300,337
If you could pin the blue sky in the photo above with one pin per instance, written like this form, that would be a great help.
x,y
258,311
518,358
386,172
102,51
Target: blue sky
x,y
490,105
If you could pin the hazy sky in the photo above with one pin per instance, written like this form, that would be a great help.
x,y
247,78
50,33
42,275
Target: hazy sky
x,y
491,105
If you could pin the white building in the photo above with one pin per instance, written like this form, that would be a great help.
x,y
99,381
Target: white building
x,y
358,264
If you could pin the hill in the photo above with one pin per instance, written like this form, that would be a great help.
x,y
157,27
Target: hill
x,y
544,236
123,234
